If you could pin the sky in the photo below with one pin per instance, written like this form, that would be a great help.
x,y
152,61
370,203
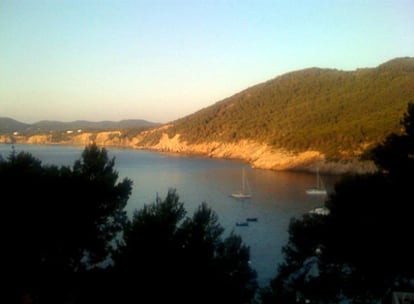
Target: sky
x,y
161,60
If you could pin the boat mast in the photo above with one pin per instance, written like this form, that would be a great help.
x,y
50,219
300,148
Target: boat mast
x,y
317,179
243,181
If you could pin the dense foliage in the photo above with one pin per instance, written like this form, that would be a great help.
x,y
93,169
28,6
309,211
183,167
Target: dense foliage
x,y
66,238
185,257
363,249
332,111
60,219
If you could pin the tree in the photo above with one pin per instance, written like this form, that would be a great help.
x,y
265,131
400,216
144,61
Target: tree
x,y
362,249
395,156
59,221
150,249
64,223
183,259
102,201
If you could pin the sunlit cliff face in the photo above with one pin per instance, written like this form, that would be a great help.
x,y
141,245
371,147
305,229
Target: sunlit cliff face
x,y
258,155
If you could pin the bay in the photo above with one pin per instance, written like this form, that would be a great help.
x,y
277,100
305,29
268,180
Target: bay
x,y
277,196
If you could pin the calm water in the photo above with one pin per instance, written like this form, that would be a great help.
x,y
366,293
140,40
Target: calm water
x,y
277,196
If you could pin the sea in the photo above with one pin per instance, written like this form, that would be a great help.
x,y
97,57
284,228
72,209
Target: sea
x,y
277,196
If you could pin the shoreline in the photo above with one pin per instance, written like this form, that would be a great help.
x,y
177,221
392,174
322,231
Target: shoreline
x,y
256,155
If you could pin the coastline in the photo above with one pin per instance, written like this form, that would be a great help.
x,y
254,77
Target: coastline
x,y
257,155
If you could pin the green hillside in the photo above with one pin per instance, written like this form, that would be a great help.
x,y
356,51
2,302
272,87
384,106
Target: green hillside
x,y
335,112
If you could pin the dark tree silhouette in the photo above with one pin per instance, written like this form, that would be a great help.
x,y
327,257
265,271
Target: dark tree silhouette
x,y
183,259
362,250
60,226
395,156
102,201
59,221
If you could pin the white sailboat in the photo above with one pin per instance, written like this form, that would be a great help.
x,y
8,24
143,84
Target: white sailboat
x,y
319,189
245,192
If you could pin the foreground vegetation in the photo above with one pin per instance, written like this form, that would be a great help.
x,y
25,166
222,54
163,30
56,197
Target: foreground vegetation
x,y
67,238
362,251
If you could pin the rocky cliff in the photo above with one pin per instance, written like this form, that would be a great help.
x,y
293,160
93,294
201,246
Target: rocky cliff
x,y
262,156
256,154
104,139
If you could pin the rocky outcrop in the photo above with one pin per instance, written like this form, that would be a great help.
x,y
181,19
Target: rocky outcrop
x,y
6,139
258,155
36,139
262,156
104,139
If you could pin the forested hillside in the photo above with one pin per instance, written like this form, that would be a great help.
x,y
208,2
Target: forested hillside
x,y
338,113
301,120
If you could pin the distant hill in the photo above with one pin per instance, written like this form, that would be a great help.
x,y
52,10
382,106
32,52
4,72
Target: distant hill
x,y
339,113
8,125
100,125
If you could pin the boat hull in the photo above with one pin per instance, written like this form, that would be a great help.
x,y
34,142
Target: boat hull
x,y
241,195
316,192
242,224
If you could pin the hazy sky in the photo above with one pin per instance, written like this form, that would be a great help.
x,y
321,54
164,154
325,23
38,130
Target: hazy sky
x,y
160,60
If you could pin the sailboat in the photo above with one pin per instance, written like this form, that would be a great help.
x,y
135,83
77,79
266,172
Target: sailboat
x,y
319,189
245,190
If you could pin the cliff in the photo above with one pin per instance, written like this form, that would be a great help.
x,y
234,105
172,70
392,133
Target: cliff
x,y
262,156
258,155
104,139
